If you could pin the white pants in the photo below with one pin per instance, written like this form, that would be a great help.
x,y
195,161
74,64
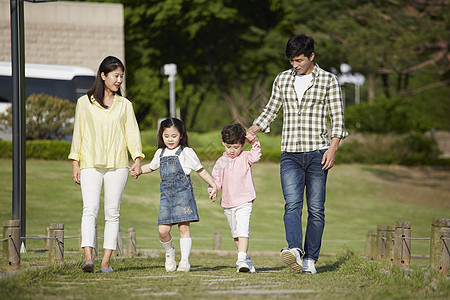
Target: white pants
x,y
91,187
239,219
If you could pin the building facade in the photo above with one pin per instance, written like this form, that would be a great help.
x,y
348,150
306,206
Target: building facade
x,y
66,33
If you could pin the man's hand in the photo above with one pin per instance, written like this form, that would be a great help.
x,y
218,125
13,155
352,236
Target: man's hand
x,y
330,155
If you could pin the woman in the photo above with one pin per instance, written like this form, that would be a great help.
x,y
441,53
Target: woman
x,y
105,126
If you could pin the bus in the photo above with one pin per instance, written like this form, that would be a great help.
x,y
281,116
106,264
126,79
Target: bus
x,y
65,82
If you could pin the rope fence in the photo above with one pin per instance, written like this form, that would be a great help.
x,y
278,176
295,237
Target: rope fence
x,y
392,243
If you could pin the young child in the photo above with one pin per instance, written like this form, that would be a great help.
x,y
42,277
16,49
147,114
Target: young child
x,y
233,174
177,204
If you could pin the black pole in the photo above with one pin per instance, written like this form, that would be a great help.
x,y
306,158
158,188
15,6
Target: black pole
x,y
18,114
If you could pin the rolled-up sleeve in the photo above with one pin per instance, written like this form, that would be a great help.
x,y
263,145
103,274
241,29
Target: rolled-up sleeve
x,y
336,110
271,109
132,134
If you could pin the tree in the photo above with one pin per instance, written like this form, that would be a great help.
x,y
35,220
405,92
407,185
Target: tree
x,y
47,117
223,49
395,38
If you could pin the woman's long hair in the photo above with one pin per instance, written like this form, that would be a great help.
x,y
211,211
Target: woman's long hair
x,y
97,90
167,123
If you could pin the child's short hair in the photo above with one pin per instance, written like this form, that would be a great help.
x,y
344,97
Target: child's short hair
x,y
167,123
233,134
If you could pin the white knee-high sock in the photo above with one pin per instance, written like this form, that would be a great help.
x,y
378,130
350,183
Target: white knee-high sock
x,y
167,245
185,247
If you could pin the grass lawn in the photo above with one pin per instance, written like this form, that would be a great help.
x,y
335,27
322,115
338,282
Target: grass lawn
x,y
359,198
345,276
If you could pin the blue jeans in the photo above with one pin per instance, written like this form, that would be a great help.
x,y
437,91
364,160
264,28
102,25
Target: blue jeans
x,y
300,172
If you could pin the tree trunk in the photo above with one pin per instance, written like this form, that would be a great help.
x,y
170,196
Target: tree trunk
x,y
371,87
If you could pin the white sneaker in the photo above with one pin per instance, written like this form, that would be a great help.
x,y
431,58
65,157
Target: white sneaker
x,y
184,266
242,266
293,258
171,263
250,264
308,266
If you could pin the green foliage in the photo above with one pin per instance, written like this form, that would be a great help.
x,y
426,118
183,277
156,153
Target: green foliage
x,y
39,149
384,115
47,149
46,117
5,149
408,149
229,52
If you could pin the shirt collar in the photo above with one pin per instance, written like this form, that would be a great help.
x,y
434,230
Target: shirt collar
x,y
314,72
116,97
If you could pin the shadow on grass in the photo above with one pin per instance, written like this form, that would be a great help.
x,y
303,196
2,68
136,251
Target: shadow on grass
x,y
136,268
332,265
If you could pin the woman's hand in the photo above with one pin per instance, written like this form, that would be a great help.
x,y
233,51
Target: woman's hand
x,y
75,172
135,169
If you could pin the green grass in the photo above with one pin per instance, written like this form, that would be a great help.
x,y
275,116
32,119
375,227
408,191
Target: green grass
x,y
345,276
359,198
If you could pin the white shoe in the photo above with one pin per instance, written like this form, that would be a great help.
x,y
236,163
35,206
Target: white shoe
x,y
308,266
250,264
242,266
293,258
184,266
171,263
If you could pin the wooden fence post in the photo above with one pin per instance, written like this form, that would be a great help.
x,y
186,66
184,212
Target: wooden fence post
x,y
119,245
390,243
11,246
217,240
440,245
371,244
402,244
131,242
381,242
47,241
56,251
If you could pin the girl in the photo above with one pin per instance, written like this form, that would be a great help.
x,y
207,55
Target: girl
x,y
105,126
177,203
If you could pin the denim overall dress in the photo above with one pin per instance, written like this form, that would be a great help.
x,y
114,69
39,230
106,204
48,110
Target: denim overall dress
x,y
177,203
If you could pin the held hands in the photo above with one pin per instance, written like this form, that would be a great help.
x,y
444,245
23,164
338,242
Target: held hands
x,y
135,169
251,134
212,191
251,137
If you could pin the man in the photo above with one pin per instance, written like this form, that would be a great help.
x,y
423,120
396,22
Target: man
x,y
309,97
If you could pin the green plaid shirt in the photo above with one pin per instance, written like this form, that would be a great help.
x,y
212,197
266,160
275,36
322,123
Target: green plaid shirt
x,y
305,121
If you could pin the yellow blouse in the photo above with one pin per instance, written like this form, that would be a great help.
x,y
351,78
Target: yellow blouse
x,y
101,136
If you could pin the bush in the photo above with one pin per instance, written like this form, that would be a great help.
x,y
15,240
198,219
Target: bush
x,y
5,149
39,149
386,115
47,117
406,149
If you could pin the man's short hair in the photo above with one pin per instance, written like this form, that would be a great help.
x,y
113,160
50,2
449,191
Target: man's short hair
x,y
298,45
233,134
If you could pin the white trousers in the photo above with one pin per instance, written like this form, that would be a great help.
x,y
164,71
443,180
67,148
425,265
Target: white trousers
x,y
91,186
239,219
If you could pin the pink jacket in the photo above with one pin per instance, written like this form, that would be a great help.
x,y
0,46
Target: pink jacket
x,y
235,177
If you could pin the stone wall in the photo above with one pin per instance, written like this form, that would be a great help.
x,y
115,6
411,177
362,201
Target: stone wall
x,y
66,33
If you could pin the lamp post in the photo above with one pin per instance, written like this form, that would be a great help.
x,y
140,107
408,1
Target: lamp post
x,y
18,112
170,70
